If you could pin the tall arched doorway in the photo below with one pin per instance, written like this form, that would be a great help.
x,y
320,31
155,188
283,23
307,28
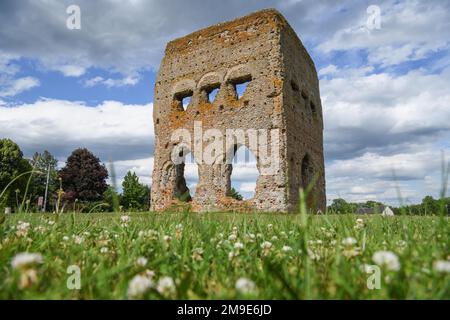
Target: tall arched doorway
x,y
244,173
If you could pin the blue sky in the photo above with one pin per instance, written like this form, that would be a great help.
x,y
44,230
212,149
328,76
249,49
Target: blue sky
x,y
385,92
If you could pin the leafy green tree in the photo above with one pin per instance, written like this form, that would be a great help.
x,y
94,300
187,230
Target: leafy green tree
x,y
12,164
430,205
235,194
135,194
83,177
341,206
112,198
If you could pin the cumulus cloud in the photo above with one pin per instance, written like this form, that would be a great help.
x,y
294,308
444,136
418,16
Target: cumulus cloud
x,y
129,36
12,87
122,82
142,167
72,70
410,30
385,113
112,130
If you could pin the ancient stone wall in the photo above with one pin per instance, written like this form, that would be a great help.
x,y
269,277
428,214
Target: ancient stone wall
x,y
282,100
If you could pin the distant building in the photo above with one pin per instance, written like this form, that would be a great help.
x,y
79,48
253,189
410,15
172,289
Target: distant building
x,y
387,212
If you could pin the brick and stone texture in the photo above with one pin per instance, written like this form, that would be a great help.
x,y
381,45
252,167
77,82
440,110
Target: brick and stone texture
x,y
282,93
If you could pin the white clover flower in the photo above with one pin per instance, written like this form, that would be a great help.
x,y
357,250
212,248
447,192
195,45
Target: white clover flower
x,y
141,261
149,273
359,224
232,255
22,229
286,249
387,259
24,260
239,245
274,238
51,222
349,241
197,254
125,218
167,238
166,286
235,229
138,286
313,255
104,250
78,239
245,286
270,226
401,244
65,238
232,237
441,266
266,245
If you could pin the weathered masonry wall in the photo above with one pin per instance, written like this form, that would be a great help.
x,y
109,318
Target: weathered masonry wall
x,y
282,94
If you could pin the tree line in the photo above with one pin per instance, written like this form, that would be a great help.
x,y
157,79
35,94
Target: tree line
x,y
428,206
81,185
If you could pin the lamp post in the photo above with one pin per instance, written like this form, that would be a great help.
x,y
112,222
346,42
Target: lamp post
x,y
44,207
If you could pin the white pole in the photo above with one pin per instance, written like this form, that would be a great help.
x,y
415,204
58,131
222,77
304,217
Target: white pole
x,y
46,189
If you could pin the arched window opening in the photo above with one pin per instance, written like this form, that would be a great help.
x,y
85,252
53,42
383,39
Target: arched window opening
x,y
212,92
244,174
186,177
240,85
183,99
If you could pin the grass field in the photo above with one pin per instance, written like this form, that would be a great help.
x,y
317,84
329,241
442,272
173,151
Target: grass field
x,y
222,255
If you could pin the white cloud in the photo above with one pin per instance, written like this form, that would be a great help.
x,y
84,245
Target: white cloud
x,y
110,83
328,70
142,167
12,87
378,125
111,129
72,70
399,166
410,30
247,187
384,113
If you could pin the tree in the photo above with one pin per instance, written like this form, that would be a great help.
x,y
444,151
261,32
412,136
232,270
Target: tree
x,y
135,195
235,194
83,177
112,198
12,164
430,205
44,162
341,206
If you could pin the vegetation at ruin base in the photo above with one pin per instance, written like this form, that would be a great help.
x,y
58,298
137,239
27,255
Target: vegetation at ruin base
x,y
223,255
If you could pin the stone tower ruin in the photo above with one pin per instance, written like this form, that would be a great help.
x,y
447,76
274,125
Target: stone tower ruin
x,y
281,107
